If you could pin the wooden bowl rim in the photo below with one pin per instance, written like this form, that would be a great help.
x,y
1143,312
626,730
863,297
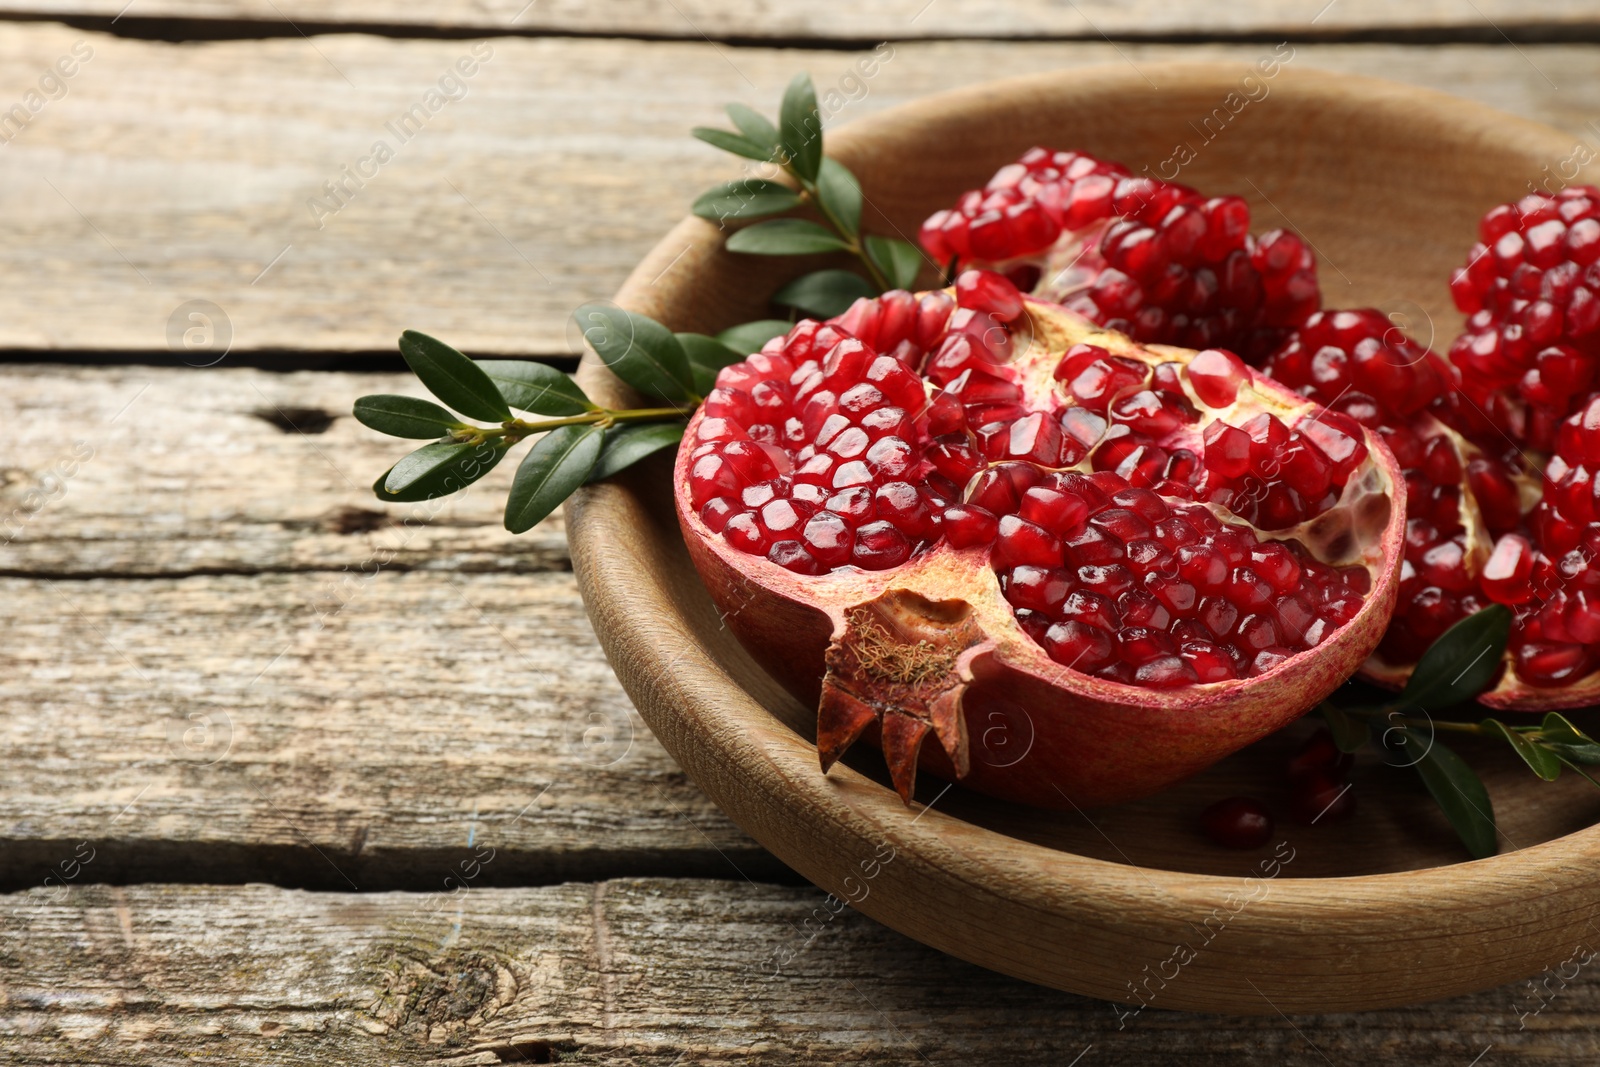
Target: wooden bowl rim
x,y
759,770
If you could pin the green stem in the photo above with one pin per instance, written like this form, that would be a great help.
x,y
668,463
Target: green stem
x,y
853,242
517,429
1389,713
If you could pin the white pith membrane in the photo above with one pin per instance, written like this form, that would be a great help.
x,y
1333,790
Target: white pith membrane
x,y
907,636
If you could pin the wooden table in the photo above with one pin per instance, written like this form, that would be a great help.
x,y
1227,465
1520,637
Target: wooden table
x,y
289,778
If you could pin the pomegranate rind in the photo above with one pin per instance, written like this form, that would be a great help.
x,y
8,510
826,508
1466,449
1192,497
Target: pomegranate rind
x,y
1514,694
1040,733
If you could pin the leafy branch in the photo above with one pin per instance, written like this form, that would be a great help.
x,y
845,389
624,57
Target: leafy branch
x,y
1456,668
794,145
579,441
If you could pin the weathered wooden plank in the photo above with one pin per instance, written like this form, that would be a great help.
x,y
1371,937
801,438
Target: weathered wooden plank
x,y
834,20
632,972
173,173
336,731
123,471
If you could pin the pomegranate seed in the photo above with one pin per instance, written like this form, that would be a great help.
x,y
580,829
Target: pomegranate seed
x,y
1318,797
1237,822
879,546
1216,376
1319,755
984,290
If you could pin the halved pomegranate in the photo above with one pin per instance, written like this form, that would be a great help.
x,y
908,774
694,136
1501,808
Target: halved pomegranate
x,y
1089,567
1152,259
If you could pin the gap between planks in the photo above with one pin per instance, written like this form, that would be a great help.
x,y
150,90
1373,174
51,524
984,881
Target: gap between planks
x,y
181,30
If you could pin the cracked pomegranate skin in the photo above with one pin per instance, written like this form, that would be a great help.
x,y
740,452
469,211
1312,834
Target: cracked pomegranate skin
x,y
950,624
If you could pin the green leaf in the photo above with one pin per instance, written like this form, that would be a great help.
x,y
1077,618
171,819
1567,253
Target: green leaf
x,y
536,387
1570,743
784,237
453,378
639,350
840,193
824,293
1542,761
405,416
732,142
437,470
626,445
745,198
898,260
707,355
556,465
1458,790
1349,735
1461,662
800,127
750,336
754,126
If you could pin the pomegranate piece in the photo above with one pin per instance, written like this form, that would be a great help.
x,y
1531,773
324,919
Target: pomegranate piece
x,y
1458,496
1152,259
1531,291
1071,539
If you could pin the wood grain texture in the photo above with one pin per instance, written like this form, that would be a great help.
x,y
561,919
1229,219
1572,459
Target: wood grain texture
x,y
127,471
653,972
231,728
1331,152
171,173
273,675
835,20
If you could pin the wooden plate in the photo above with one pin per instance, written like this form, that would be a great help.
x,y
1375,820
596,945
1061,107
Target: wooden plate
x,y
1127,903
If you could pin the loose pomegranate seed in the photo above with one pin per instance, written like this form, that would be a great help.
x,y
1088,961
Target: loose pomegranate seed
x,y
1318,797
1320,756
1237,822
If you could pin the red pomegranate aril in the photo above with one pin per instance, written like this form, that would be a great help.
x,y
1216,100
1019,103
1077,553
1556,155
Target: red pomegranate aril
x,y
1021,542
1237,822
1227,449
984,290
716,513
1099,382
1305,469
1052,509
879,546
792,555
1277,565
1079,646
1319,797
1165,672
1038,589
1209,663
1320,756
1089,546
1338,439
1092,609
1109,579
1216,376
967,525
